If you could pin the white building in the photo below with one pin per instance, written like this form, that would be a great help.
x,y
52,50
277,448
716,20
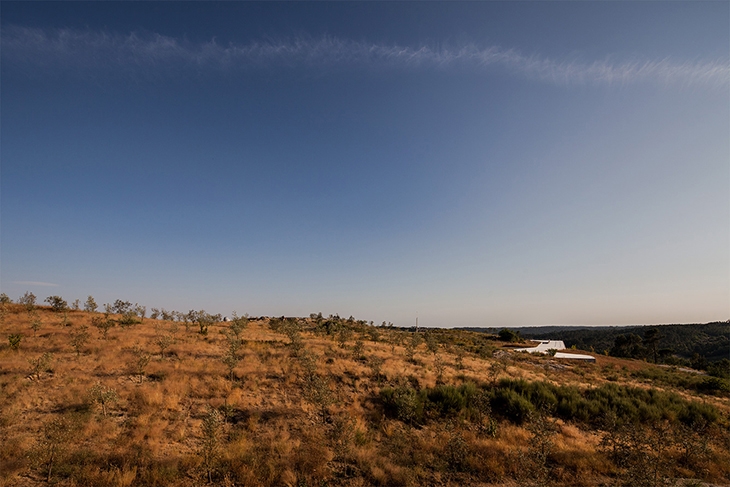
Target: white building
x,y
544,346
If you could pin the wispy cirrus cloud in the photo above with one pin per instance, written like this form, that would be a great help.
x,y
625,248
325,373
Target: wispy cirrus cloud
x,y
35,283
81,51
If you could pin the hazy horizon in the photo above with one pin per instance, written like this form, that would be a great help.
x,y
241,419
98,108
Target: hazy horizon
x,y
485,164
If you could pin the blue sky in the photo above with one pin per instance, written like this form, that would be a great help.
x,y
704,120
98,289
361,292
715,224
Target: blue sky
x,y
472,164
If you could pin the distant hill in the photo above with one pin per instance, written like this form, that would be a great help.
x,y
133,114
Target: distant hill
x,y
709,340
531,331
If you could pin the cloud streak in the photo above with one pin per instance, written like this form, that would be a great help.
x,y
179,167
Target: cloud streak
x,y
83,51
35,283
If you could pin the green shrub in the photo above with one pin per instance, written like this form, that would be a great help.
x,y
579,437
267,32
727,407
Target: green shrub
x,y
403,403
720,369
514,398
512,405
698,413
57,303
507,335
714,385
14,341
446,400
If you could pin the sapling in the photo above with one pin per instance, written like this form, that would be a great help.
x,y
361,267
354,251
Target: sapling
x,y
163,341
315,386
79,337
344,336
358,350
459,359
35,324
203,319
376,364
295,339
102,395
28,300
90,305
14,341
52,443
431,343
40,364
103,324
121,307
210,443
440,367
534,463
231,356
410,352
238,324
139,364
57,303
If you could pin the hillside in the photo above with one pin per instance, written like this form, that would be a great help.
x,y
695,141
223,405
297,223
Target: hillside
x,y
527,330
100,399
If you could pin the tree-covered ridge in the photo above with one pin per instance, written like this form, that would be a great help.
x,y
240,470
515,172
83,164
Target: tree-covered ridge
x,y
710,340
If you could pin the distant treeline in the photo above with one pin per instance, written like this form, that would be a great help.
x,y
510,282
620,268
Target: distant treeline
x,y
701,346
710,340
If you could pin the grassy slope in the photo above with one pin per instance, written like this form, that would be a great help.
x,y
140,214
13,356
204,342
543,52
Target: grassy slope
x,y
292,417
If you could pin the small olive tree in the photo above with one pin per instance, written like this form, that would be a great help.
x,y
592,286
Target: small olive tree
x,y
238,324
358,350
90,305
103,324
35,322
295,339
203,320
140,311
28,300
57,303
79,337
231,355
54,439
103,396
40,364
440,367
535,465
120,307
211,441
141,358
344,336
163,342
432,344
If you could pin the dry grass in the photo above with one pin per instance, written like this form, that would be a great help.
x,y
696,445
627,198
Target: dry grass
x,y
291,417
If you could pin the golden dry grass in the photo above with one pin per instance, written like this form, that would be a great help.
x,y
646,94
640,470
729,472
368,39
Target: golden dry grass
x,y
276,431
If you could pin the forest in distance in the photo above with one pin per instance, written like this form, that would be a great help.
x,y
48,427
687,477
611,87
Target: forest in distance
x,y
694,345
113,395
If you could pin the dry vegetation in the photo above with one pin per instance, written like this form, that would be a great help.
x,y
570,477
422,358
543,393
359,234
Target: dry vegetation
x,y
93,399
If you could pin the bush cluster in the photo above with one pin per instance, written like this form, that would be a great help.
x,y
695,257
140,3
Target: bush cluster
x,y
516,399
